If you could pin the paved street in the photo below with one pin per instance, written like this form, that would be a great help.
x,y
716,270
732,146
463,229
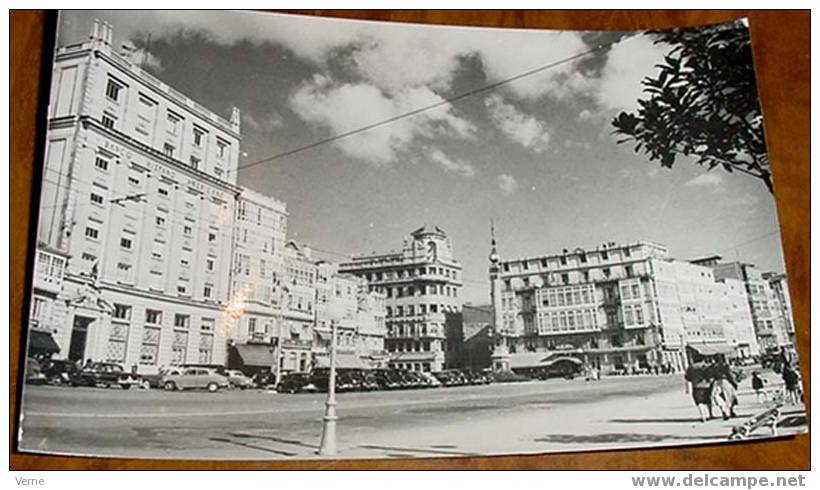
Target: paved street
x,y
541,416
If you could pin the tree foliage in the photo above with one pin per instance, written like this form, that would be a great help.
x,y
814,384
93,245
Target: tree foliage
x,y
703,103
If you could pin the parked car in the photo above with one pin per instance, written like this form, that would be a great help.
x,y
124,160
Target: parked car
x,y
432,381
321,379
237,379
104,375
264,380
34,373
193,378
296,383
59,371
387,379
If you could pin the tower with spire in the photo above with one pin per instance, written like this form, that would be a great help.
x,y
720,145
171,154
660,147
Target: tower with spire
x,y
500,352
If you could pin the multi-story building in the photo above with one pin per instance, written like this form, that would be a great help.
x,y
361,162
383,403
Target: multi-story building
x,y
767,314
421,284
470,339
139,194
46,315
782,303
359,316
298,293
255,314
615,307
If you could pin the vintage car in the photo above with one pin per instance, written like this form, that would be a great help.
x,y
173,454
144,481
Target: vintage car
x,y
104,375
193,378
59,371
296,383
237,379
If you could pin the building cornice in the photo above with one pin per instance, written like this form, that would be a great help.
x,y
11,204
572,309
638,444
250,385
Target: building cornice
x,y
88,121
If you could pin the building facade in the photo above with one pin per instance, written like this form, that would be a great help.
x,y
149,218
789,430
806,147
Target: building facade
x,y
782,303
618,308
769,317
139,194
255,309
421,284
359,315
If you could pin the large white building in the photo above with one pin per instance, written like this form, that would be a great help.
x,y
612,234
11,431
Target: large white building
x,y
149,254
421,284
138,213
618,307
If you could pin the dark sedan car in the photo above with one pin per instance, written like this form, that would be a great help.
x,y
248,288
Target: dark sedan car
x,y
296,383
59,371
104,375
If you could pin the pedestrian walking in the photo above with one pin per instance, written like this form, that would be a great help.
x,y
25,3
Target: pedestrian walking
x,y
758,385
723,391
697,374
792,381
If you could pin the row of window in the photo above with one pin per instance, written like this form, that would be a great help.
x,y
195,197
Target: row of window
x,y
413,330
411,272
409,346
146,112
568,321
412,310
405,291
563,259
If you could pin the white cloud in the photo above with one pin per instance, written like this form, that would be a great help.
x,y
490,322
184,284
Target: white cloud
x,y
710,179
341,108
507,184
452,166
266,123
524,129
628,62
585,115
392,56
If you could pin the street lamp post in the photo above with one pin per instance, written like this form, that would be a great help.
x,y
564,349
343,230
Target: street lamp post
x,y
328,445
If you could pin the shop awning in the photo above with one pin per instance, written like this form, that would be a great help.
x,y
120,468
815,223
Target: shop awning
x,y
529,360
525,360
40,342
712,349
255,354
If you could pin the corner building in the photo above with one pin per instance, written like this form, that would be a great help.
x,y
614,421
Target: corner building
x,y
619,308
421,284
139,194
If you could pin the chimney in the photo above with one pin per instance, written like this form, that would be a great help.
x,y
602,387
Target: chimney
x,y
306,250
235,119
95,30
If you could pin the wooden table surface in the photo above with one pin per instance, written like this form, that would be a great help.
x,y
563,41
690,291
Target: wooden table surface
x,y
780,41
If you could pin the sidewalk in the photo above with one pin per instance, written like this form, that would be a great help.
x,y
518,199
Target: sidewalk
x,y
658,420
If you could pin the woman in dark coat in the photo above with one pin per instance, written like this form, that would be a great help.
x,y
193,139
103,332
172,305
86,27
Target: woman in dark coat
x,y
792,381
697,374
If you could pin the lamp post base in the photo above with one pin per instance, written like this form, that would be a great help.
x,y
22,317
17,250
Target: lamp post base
x,y
328,445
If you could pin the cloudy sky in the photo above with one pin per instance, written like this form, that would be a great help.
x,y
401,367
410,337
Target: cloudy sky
x,y
536,154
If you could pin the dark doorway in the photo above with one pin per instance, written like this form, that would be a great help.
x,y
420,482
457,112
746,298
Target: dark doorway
x,y
79,332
